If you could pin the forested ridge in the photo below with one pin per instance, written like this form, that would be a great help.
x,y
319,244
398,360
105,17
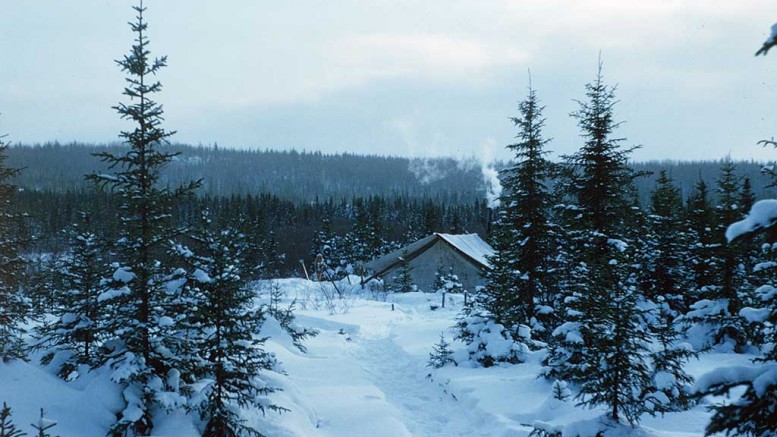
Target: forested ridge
x,y
291,193
303,176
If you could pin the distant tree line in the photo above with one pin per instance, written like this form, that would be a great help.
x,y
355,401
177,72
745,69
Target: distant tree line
x,y
305,176
289,227
292,175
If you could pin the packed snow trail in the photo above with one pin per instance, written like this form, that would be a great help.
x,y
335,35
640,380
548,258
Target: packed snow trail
x,y
426,408
365,374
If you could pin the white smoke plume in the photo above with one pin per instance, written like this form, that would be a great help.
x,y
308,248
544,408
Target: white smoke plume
x,y
429,170
490,174
493,185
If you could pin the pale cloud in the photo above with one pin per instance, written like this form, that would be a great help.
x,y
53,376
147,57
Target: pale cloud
x,y
396,76
360,58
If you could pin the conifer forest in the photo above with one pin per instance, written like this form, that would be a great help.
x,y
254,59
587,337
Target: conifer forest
x,y
584,286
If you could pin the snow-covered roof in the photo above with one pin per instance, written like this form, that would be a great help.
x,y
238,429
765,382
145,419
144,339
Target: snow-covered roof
x,y
471,246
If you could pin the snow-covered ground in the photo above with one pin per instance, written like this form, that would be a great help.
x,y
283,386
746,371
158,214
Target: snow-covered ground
x,y
365,374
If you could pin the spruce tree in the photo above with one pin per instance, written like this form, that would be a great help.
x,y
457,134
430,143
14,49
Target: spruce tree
x,y
746,196
716,313
521,274
141,299
732,278
448,283
749,254
7,427
700,223
323,252
618,369
271,260
75,330
663,271
755,411
403,282
670,388
286,318
43,425
14,308
603,344
223,334
439,279
441,354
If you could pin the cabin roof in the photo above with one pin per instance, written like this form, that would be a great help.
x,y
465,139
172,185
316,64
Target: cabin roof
x,y
470,246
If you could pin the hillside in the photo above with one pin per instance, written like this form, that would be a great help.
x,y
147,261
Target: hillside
x,y
305,176
291,175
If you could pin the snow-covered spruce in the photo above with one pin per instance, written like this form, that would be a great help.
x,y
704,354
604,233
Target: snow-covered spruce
x,y
604,344
285,317
755,412
441,354
446,282
487,342
143,306
14,308
522,274
222,359
43,425
403,282
7,426
663,273
328,254
670,388
74,334
714,319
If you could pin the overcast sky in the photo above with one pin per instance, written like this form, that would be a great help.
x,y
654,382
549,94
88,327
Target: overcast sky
x,y
398,77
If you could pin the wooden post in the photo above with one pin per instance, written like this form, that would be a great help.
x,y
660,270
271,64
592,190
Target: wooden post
x,y
443,299
304,269
392,307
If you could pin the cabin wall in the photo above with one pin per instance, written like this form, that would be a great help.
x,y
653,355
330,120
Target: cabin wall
x,y
425,265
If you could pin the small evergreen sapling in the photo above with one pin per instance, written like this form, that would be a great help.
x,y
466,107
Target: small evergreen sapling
x,y
43,425
670,388
449,283
285,317
441,354
561,391
439,279
75,331
7,427
403,280
488,342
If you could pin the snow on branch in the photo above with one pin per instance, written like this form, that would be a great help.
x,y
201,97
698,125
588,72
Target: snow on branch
x,y
763,215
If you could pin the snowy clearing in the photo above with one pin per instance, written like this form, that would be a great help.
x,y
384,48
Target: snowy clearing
x,y
365,374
